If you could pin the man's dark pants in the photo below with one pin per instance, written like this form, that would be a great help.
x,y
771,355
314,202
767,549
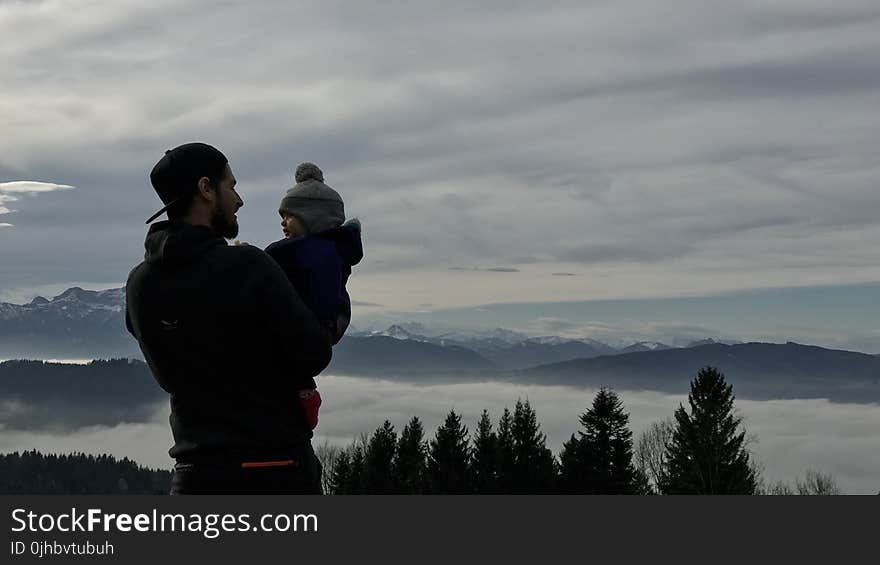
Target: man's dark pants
x,y
302,476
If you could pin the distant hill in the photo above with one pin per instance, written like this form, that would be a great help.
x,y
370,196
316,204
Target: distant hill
x,y
39,395
757,370
536,351
504,348
384,355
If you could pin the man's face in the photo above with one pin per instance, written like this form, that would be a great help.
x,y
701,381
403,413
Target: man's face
x,y
227,203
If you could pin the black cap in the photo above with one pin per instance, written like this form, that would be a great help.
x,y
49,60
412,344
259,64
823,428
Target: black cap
x,y
177,174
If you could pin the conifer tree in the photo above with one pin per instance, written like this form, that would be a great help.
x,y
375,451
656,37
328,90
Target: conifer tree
x,y
356,482
340,480
707,453
484,461
377,476
535,468
506,457
410,462
575,467
449,458
608,445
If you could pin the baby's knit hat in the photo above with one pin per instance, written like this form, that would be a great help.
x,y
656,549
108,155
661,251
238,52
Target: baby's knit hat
x,y
315,204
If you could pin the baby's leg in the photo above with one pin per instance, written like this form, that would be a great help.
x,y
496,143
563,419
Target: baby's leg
x,y
310,400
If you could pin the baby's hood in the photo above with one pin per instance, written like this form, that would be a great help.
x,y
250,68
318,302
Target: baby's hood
x,y
347,239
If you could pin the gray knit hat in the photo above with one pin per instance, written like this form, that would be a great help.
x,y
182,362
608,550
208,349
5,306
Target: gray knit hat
x,y
315,204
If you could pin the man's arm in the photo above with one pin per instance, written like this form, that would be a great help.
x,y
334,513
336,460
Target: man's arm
x,y
301,344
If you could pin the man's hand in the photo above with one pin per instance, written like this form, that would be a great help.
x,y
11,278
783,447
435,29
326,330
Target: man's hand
x,y
237,242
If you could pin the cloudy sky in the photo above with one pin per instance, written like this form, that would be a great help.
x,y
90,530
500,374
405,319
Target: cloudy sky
x,y
497,152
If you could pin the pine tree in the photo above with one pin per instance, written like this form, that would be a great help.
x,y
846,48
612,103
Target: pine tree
x,y
484,462
356,479
535,468
341,473
707,453
607,444
410,462
448,458
575,467
377,476
506,456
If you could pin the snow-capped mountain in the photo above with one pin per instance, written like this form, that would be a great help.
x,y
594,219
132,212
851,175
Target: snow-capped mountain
x,y
499,334
645,346
548,340
72,303
76,323
396,331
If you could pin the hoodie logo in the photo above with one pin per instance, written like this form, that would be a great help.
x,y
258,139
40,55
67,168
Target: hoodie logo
x,y
169,326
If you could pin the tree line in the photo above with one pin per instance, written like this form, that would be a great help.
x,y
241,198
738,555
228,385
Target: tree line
x,y
32,472
701,450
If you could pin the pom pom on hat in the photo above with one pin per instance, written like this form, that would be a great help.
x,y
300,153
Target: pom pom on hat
x,y
308,171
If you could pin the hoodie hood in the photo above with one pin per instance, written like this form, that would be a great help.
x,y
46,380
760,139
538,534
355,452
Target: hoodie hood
x,y
347,239
173,243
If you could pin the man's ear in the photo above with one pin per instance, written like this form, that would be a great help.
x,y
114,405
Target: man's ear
x,y
206,189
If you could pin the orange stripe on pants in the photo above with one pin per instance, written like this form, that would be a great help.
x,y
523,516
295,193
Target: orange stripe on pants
x,y
268,463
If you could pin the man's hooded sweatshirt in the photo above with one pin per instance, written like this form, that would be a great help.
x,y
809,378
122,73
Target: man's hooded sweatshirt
x,y
225,333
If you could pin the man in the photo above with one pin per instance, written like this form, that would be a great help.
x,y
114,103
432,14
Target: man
x,y
224,333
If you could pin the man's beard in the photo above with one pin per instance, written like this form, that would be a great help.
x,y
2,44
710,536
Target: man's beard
x,y
226,228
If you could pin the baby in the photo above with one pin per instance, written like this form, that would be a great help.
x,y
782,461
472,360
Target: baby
x,y
317,254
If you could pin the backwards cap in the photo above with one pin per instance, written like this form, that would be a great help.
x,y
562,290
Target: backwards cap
x,y
176,176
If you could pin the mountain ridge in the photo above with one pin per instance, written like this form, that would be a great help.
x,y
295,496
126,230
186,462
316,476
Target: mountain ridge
x,y
87,324
763,370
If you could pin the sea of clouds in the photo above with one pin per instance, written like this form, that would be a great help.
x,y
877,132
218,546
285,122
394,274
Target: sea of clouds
x,y
788,436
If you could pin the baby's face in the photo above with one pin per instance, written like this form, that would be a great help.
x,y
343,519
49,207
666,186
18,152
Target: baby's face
x,y
291,226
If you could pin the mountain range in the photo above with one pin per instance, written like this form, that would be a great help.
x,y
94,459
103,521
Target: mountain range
x,y
75,324
85,324
89,324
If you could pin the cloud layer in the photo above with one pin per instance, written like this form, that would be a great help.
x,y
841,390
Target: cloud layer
x,y
790,435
